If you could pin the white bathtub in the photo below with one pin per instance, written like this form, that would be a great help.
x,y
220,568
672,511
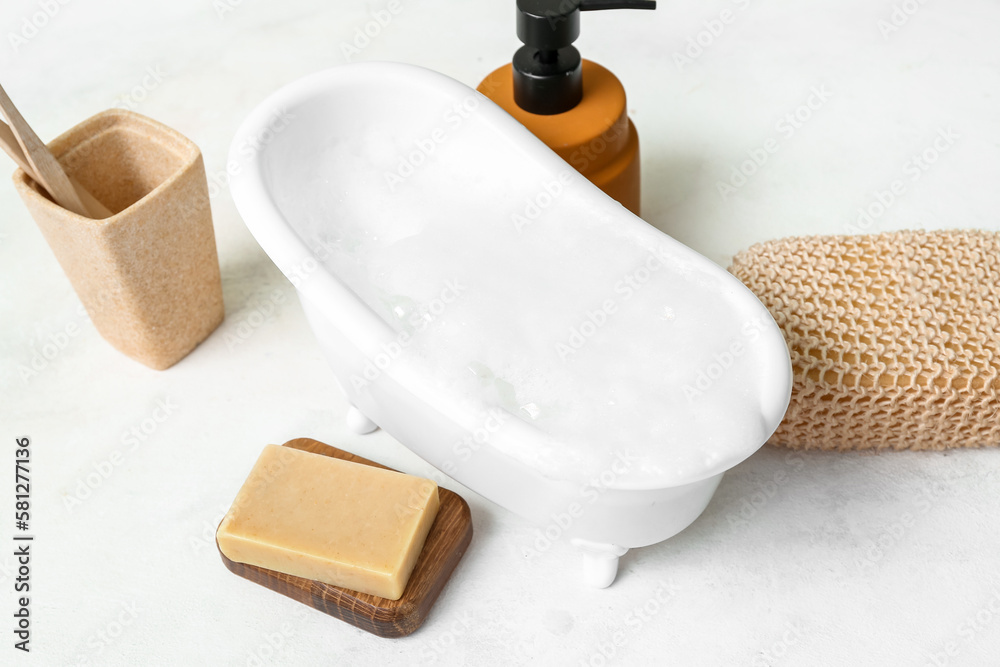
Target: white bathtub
x,y
360,145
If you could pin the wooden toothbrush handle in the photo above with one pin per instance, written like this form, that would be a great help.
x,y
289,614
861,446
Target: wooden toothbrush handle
x,y
8,141
48,172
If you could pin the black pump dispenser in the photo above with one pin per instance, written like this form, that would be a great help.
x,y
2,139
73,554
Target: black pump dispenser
x,y
547,69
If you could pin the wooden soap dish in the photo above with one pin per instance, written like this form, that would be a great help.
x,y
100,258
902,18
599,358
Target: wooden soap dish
x,y
446,543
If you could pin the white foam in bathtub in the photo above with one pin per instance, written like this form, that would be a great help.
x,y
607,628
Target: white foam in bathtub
x,y
610,338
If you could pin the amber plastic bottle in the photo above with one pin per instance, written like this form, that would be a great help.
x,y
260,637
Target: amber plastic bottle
x,y
575,106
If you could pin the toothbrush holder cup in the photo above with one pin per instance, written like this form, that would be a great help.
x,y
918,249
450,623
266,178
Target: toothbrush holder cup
x,y
148,275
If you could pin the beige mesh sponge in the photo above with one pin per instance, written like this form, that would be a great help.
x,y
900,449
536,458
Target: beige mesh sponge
x,y
894,338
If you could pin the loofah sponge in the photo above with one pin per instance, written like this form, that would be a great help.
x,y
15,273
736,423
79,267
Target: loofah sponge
x,y
894,338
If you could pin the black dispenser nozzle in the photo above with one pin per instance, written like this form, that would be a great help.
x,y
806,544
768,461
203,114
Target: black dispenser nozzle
x,y
547,69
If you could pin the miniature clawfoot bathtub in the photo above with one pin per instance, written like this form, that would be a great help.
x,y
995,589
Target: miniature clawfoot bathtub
x,y
500,316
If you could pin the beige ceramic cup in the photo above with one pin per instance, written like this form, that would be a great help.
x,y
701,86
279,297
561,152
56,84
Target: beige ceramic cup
x,y
149,274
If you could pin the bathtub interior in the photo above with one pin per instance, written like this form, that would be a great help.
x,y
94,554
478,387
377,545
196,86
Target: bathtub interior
x,y
509,281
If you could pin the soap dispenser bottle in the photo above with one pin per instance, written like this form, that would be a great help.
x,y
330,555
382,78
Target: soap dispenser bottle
x,y
573,105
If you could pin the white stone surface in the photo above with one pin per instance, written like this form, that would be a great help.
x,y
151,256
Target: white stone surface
x,y
800,558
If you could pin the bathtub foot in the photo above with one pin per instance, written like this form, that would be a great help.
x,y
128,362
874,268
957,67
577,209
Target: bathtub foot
x,y
358,422
600,561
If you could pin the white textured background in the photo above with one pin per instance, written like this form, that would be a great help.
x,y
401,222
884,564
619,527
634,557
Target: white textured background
x,y
800,558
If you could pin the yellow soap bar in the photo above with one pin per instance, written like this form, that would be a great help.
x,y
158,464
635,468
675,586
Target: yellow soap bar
x,y
342,523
